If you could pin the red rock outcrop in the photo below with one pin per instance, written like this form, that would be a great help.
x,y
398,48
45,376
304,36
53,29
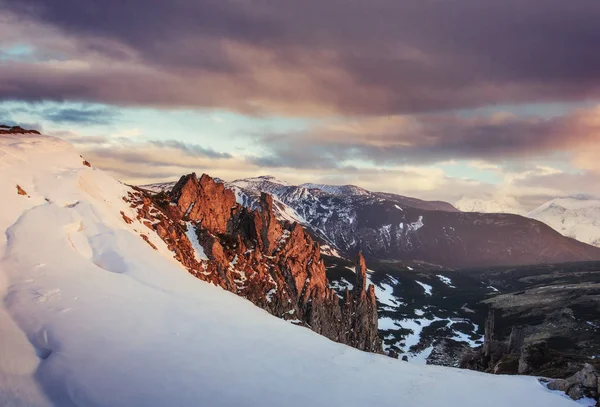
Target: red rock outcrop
x,y
204,201
275,265
20,190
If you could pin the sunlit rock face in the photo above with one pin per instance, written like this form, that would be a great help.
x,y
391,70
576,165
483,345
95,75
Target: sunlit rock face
x,y
275,264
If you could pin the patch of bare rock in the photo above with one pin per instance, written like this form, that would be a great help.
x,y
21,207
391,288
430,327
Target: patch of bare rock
x,y
274,264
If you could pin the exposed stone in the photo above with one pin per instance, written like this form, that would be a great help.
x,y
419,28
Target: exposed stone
x,y
271,229
516,340
126,218
148,241
393,354
559,384
275,265
576,392
488,338
87,163
448,352
508,364
214,212
584,383
20,190
16,130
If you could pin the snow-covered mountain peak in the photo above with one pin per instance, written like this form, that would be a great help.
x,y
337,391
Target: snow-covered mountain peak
x,y
260,179
337,189
577,217
575,202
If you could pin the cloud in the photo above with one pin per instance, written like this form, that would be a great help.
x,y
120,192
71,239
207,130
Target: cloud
x,y
135,160
428,139
83,115
193,150
304,58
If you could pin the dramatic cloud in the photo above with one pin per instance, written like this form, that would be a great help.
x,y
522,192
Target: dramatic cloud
x,y
433,138
309,57
383,91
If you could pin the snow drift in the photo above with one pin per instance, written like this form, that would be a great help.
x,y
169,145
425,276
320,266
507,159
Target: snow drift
x,y
94,316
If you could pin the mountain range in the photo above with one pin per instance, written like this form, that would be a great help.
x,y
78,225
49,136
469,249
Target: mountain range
x,y
209,293
349,219
576,216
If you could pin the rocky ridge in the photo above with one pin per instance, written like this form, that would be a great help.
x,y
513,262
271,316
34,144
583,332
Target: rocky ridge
x,y
274,264
4,129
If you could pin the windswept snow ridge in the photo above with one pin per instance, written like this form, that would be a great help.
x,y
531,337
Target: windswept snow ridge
x,y
93,315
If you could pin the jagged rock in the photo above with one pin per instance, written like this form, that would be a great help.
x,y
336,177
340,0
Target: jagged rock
x,y
16,130
393,354
147,240
508,364
448,352
516,340
271,229
217,202
87,163
20,190
576,392
559,384
126,218
585,382
488,338
275,265
362,305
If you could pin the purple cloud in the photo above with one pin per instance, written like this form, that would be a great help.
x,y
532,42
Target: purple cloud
x,y
351,57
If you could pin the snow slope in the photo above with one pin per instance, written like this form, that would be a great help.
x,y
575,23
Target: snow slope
x,y
93,316
577,217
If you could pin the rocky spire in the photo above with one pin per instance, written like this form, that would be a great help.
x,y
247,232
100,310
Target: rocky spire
x,y
275,265
271,229
360,269
362,305
488,338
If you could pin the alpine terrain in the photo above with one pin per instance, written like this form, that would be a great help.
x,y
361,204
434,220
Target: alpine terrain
x,y
348,220
433,308
117,297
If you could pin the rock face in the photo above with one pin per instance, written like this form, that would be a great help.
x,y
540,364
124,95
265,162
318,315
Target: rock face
x,y
585,383
204,201
274,264
4,129
535,358
20,190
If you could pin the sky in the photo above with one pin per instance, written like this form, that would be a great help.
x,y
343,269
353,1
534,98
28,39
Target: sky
x,y
436,99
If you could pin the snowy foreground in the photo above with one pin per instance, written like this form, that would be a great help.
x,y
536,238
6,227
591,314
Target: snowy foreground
x,y
93,316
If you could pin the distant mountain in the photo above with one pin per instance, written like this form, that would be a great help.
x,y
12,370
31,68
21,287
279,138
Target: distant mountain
x,y
466,204
348,219
577,217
